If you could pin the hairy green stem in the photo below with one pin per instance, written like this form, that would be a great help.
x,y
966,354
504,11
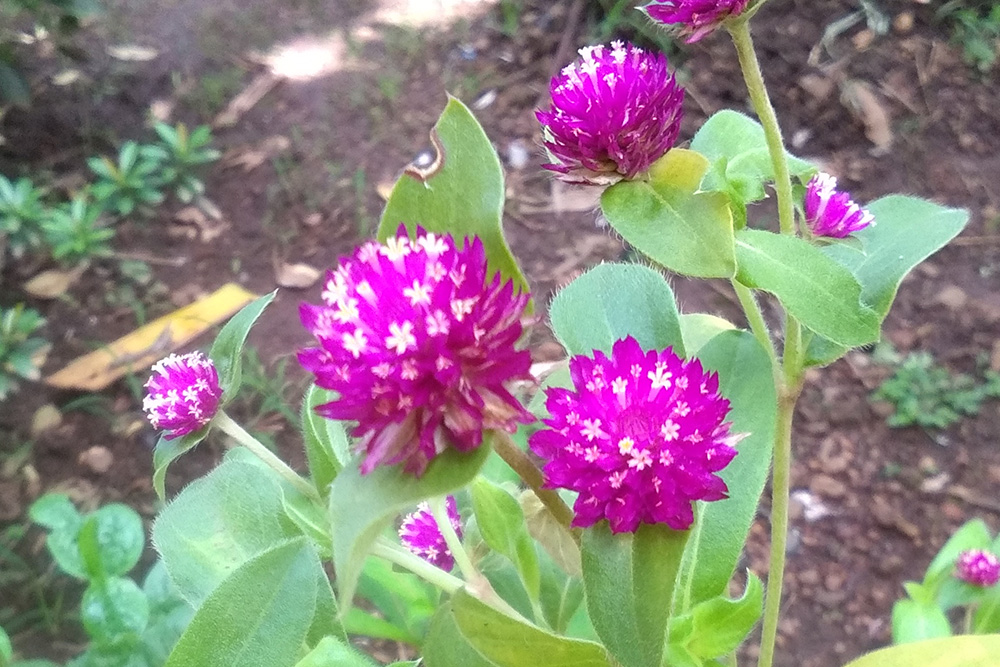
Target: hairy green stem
x,y
239,434
740,31
755,318
418,566
439,509
532,476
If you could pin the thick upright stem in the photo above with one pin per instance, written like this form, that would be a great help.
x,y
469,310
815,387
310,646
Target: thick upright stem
x,y
740,30
533,477
439,509
239,434
755,318
418,566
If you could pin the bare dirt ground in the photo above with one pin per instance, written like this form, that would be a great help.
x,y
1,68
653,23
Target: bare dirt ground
x,y
348,93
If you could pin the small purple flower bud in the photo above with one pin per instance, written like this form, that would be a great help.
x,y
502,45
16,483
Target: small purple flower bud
x,y
420,534
182,394
420,344
978,567
640,438
693,19
614,112
830,212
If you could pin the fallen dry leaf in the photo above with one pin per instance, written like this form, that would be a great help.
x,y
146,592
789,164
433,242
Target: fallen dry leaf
x,y
45,419
297,276
132,53
53,283
862,100
246,99
250,157
208,230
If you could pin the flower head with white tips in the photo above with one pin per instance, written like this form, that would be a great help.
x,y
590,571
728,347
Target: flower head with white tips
x,y
421,535
694,19
182,394
978,567
640,438
830,212
419,342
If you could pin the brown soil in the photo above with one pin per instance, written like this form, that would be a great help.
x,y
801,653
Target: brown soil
x,y
308,196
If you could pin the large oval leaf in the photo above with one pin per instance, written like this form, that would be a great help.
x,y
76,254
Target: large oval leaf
x,y
818,291
216,524
629,580
961,651
464,196
362,506
259,616
721,530
327,448
612,301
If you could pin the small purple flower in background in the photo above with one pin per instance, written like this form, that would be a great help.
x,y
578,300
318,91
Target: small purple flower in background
x,y
978,567
420,534
614,112
182,393
639,439
693,19
419,343
830,212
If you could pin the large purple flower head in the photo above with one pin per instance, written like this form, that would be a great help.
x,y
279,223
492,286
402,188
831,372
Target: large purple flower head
x,y
978,567
182,394
614,112
419,343
830,212
421,535
639,439
693,19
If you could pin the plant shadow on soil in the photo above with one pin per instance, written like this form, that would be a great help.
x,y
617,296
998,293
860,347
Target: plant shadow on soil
x,y
301,180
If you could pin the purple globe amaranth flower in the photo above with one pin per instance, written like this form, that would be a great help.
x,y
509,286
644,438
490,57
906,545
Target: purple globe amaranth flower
x,y
639,439
421,535
978,567
614,112
182,393
419,343
693,19
830,212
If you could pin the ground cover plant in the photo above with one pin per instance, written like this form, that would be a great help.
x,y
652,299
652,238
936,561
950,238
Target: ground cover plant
x,y
419,610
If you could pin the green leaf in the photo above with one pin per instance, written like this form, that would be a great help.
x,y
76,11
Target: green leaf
x,y
259,616
216,524
405,600
14,88
446,646
358,622
561,595
506,642
630,580
611,302
501,523
114,609
817,291
326,620
327,448
961,651
227,350
56,512
332,652
551,535
740,164
690,233
362,506
699,328
464,197
6,650
913,621
167,451
907,231
721,624
722,526
111,541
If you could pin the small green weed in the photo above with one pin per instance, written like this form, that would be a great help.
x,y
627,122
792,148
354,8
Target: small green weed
x,y
20,352
926,394
975,27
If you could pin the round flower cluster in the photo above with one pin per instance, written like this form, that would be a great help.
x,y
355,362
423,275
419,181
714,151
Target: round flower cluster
x,y
182,394
421,535
614,112
419,343
978,567
639,438
830,212
693,19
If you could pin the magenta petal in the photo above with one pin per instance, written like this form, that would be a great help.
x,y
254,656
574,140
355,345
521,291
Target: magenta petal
x,y
419,342
182,394
978,568
830,212
693,19
421,535
614,112
639,438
